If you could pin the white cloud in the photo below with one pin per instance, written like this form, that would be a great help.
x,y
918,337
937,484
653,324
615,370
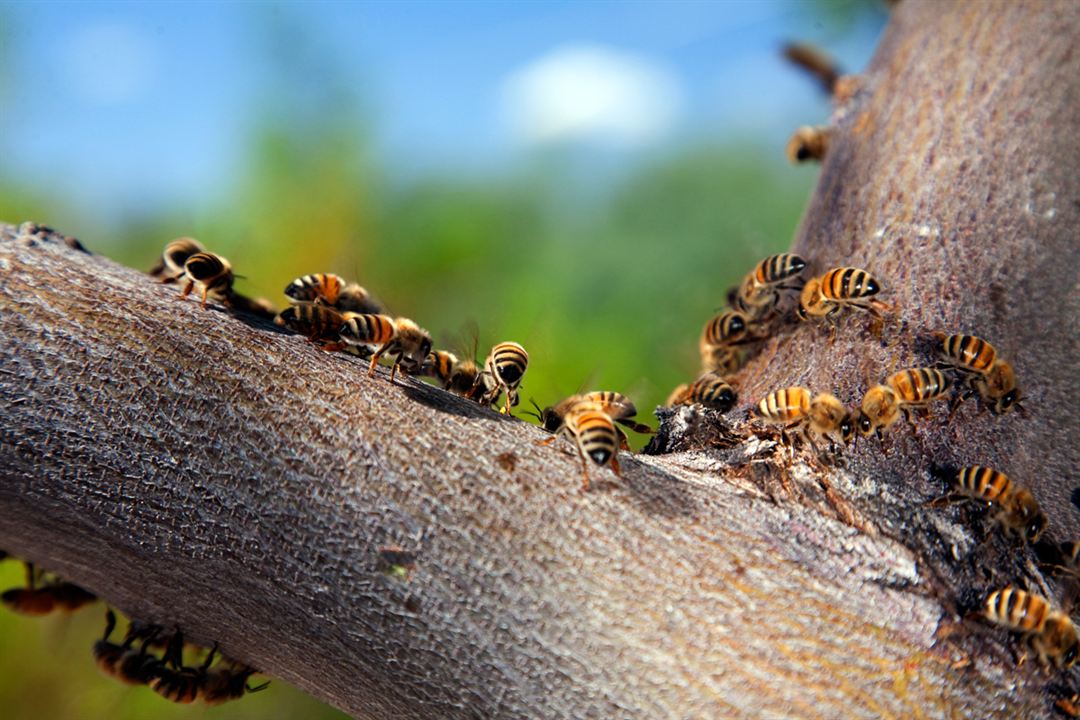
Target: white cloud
x,y
592,93
110,63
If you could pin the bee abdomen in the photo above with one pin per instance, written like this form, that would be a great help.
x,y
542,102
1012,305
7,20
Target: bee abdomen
x,y
726,327
970,352
777,268
1017,609
369,329
713,391
919,385
597,435
510,361
315,286
785,405
204,266
984,482
848,283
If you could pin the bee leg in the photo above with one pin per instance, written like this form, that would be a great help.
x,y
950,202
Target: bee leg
x,y
332,346
187,289
547,441
394,367
205,291
944,500
615,467
375,359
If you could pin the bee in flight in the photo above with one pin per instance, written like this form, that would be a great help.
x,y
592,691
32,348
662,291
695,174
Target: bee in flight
x,y
1014,507
977,362
844,287
905,391
759,293
211,274
594,432
1045,629
811,417
503,370
170,267
709,389
35,599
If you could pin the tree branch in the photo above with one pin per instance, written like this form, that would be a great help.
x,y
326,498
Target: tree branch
x,y
201,468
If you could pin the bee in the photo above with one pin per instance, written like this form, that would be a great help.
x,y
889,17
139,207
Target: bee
x,y
255,306
759,293
170,267
986,374
36,601
401,338
839,288
354,298
228,680
457,376
808,143
175,681
503,370
905,391
718,340
212,274
815,62
709,389
822,416
617,406
594,433
320,324
1048,631
123,662
1017,511
321,288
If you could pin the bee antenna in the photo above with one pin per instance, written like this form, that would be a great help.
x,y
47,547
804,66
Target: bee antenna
x,y
538,414
240,277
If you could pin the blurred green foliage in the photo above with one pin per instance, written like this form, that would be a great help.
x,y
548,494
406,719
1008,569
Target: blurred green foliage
x,y
607,288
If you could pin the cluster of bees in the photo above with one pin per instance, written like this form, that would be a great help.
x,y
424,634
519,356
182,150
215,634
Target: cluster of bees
x,y
132,661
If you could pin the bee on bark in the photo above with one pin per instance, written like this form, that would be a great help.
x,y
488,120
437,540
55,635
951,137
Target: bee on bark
x,y
1014,507
808,143
759,293
170,267
719,341
503,370
402,339
211,274
617,406
822,416
35,600
902,393
594,433
175,681
320,324
709,389
1045,629
457,376
977,362
123,661
228,680
331,289
845,287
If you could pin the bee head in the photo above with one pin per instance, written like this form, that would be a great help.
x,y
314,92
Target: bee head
x,y
847,428
866,426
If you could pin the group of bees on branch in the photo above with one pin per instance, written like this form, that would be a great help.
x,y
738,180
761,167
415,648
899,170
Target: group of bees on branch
x,y
132,661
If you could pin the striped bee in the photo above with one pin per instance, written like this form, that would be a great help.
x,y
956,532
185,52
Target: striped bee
x,y
330,289
456,376
321,324
617,406
228,680
402,339
212,274
907,390
822,416
719,339
978,363
1015,508
808,143
123,661
759,293
1048,631
36,600
503,370
595,434
170,267
709,389
839,288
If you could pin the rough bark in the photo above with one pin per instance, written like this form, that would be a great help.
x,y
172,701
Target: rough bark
x,y
200,468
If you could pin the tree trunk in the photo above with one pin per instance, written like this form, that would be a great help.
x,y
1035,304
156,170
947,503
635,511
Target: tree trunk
x,y
200,468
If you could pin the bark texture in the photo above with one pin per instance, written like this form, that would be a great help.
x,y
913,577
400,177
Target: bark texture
x,y
196,467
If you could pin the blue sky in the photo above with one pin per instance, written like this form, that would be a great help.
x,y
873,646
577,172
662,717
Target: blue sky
x,y
147,101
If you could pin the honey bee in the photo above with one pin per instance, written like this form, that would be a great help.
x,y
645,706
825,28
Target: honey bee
x,y
759,293
228,680
594,433
808,143
321,288
1016,509
255,306
320,324
503,370
718,340
905,391
986,374
839,288
354,298
401,338
170,267
822,416
815,62
1048,631
123,662
457,376
617,406
709,389
175,681
212,274
36,600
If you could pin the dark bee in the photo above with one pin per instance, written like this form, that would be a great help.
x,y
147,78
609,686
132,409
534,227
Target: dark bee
x,y
175,681
709,389
124,662
170,267
503,370
815,62
212,274
36,600
986,374
228,680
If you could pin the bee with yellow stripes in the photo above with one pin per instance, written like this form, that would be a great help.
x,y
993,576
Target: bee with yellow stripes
x,y
1013,505
905,391
839,288
170,267
1046,630
709,389
593,431
503,370
822,416
978,363
759,292
211,274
